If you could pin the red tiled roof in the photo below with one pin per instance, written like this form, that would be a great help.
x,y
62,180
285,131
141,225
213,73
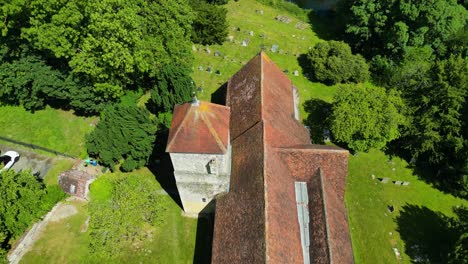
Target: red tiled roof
x,y
256,222
202,128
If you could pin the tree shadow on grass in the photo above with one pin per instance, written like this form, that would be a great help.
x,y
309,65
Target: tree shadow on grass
x,y
429,236
327,24
317,119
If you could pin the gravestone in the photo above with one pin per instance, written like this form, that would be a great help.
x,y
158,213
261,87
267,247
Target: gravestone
x,y
245,42
194,48
274,48
200,89
286,71
296,73
397,182
231,38
384,180
200,68
326,135
405,183
218,53
251,33
209,70
218,72
208,50
390,208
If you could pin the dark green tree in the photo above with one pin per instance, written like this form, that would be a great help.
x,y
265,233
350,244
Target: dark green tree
x,y
173,86
332,62
125,135
387,27
210,25
366,117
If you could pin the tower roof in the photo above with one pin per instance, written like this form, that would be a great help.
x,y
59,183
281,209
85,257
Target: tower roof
x,y
199,128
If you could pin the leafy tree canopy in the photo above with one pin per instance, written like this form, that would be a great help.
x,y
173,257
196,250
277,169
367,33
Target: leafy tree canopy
x,y
332,62
24,200
125,219
113,44
124,134
366,117
387,27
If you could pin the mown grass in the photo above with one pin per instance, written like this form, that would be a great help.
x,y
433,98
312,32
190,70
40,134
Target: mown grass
x,y
373,227
243,18
62,241
173,241
50,128
59,165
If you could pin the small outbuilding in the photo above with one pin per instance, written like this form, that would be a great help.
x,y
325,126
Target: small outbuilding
x,y
76,182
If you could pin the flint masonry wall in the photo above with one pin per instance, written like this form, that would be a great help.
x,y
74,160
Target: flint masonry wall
x,y
199,180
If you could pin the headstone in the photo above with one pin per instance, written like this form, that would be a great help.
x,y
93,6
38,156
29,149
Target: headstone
x,y
238,29
397,253
393,169
251,33
218,53
225,57
373,176
286,71
326,133
274,48
261,11
218,72
384,180
209,70
245,42
296,73
194,48
200,68
262,35
231,38
390,208
397,182
200,89
405,183
208,50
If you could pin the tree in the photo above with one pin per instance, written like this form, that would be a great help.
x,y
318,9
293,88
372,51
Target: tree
x,y
388,27
124,134
115,45
126,218
24,200
332,62
210,25
366,117
437,104
173,86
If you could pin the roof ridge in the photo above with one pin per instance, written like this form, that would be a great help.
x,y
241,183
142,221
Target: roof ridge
x,y
213,132
187,113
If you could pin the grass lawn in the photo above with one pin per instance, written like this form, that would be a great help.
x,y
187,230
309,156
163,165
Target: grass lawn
x,y
291,41
50,128
63,242
369,219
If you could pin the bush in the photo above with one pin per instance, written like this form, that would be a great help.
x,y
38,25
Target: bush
x,y
332,62
124,133
210,25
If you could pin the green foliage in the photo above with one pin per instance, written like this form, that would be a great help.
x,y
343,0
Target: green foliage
x,y
124,220
113,44
24,200
366,117
173,86
388,27
124,133
332,62
30,82
437,98
286,6
210,25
